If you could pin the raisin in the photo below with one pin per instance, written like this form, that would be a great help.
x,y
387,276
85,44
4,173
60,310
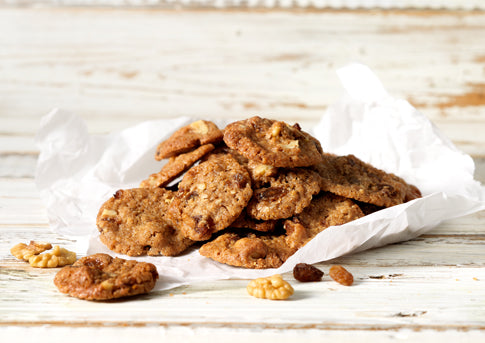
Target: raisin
x,y
306,273
118,194
341,275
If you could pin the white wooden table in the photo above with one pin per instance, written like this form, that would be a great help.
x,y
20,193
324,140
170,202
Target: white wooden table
x,y
118,67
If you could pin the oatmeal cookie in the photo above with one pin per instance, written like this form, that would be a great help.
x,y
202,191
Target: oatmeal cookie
x,y
257,251
325,210
102,277
273,143
133,222
210,197
189,137
350,177
286,195
175,166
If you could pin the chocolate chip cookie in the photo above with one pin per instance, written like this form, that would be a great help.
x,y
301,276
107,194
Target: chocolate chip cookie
x,y
189,137
133,222
210,197
286,195
350,177
273,143
102,277
175,166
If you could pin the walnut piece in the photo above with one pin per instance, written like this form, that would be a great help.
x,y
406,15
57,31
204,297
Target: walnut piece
x,y
58,257
272,287
199,127
23,251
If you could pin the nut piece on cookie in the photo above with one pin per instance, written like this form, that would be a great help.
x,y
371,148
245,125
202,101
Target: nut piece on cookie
x,y
189,137
23,251
273,143
210,197
133,222
350,177
273,288
102,277
58,257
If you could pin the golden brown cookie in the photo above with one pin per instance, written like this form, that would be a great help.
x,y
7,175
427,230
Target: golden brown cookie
x,y
175,166
189,137
273,143
251,250
350,177
133,222
102,277
286,195
325,210
210,197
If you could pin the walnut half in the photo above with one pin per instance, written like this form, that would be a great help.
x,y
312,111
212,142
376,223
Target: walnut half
x,y
23,251
58,257
273,288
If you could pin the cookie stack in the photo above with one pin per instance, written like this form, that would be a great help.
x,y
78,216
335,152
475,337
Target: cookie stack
x,y
250,196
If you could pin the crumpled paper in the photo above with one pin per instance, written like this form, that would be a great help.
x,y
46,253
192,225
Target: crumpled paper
x,y
77,172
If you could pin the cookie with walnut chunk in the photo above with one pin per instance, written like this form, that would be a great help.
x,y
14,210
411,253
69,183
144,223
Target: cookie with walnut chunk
x,y
254,250
350,177
133,222
102,277
188,138
273,143
325,210
210,197
287,194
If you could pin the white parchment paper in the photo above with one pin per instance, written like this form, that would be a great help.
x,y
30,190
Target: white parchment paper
x,y
77,172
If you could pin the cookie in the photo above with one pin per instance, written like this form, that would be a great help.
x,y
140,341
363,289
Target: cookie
x,y
102,277
175,167
252,250
210,197
272,142
325,210
286,195
352,178
189,137
133,223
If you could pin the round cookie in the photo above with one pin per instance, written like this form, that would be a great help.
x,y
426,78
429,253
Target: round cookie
x,y
176,166
287,194
187,138
350,177
102,277
133,222
257,251
272,142
210,197
325,210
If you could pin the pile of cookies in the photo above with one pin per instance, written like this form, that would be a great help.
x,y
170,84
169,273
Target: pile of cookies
x,y
250,195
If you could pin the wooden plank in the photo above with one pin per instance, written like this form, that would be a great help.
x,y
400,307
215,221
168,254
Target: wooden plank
x,y
323,306
102,65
